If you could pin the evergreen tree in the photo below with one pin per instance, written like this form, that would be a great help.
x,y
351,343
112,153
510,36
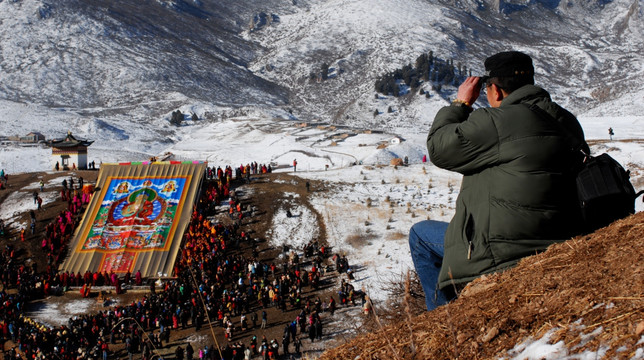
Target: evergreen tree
x,y
177,118
195,117
425,73
407,74
415,83
392,86
376,113
380,85
422,61
325,71
426,68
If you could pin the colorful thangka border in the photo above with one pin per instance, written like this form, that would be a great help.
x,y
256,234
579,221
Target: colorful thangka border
x,y
135,214
136,218
118,262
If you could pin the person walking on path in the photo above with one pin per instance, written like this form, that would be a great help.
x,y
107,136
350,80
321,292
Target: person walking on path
x,y
264,319
189,352
253,318
178,353
298,345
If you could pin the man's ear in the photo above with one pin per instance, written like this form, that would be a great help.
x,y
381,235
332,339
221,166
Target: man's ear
x,y
497,93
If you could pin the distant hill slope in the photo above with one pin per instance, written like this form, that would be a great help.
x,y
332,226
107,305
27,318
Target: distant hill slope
x,y
586,53
128,56
119,53
583,296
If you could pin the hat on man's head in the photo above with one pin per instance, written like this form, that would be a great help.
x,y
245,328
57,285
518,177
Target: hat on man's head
x,y
508,64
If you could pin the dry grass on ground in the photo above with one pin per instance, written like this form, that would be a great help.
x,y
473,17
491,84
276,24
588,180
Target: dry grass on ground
x,y
587,292
360,239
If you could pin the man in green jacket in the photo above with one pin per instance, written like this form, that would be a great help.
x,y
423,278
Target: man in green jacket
x,y
518,193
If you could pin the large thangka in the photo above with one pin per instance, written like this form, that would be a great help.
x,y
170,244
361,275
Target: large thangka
x,y
136,218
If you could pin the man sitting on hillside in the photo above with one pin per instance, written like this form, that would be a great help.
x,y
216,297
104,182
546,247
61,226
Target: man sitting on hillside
x,y
517,195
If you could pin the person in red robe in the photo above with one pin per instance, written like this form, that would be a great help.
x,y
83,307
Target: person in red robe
x,y
86,290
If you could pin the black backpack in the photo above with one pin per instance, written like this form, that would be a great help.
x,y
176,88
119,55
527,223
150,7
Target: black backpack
x,y
604,189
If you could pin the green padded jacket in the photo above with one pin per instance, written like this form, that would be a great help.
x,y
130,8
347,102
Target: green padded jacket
x,y
518,194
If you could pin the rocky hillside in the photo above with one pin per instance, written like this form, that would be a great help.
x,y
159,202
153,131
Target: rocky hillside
x,y
119,54
146,58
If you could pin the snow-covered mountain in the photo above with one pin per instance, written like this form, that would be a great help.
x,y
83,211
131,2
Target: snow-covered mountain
x,y
586,54
114,70
120,54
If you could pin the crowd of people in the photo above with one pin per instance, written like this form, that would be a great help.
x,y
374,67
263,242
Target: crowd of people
x,y
30,283
215,281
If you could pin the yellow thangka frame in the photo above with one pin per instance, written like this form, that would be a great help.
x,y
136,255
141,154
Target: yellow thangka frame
x,y
136,218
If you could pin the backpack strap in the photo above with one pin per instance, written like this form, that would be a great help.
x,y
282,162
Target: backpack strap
x,y
577,145
638,194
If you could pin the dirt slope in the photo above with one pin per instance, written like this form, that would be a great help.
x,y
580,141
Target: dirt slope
x,y
588,292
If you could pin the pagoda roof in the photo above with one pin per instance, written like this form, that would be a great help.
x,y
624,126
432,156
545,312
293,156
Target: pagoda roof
x,y
70,141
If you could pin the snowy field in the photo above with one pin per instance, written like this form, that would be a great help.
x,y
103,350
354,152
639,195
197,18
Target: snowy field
x,y
369,206
371,203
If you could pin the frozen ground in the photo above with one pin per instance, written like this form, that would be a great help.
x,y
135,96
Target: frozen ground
x,y
370,205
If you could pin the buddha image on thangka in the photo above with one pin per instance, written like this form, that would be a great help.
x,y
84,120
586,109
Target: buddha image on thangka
x,y
135,214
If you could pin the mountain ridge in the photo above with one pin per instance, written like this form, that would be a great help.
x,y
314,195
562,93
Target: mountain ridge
x,y
113,58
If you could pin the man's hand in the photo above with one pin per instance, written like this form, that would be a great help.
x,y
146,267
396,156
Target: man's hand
x,y
469,90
